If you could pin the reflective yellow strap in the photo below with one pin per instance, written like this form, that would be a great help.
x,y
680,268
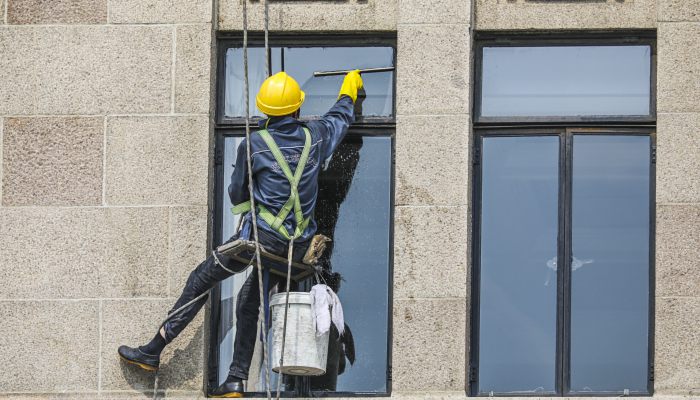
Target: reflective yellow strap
x,y
268,217
241,208
293,202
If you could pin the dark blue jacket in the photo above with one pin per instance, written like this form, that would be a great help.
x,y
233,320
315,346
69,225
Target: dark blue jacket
x,y
271,187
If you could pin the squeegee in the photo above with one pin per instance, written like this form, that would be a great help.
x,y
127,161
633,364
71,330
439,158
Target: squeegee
x,y
345,71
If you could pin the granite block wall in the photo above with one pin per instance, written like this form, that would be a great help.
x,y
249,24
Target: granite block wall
x,y
104,177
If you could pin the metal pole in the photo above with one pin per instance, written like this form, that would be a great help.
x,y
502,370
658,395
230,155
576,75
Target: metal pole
x,y
345,71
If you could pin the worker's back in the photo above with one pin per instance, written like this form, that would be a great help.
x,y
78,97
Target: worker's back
x,y
271,187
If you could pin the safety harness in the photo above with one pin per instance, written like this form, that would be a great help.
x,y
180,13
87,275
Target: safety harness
x,y
276,222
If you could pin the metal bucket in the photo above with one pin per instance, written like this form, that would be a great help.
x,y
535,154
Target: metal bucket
x,y
305,354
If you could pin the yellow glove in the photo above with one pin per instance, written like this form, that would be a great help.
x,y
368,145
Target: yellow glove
x,y
351,84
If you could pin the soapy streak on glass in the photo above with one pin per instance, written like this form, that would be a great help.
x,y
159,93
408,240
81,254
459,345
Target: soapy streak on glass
x,y
354,208
301,63
566,81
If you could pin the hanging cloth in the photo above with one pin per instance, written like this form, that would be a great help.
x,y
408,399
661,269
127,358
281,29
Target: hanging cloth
x,y
326,308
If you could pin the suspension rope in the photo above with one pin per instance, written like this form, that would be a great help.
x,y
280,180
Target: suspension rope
x,y
253,209
290,252
267,38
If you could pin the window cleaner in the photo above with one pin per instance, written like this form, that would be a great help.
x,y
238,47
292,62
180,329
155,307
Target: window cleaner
x,y
286,156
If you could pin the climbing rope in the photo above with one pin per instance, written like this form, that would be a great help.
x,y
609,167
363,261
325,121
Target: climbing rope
x,y
253,209
286,311
290,252
261,312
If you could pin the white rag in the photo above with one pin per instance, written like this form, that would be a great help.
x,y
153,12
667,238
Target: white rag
x,y
326,308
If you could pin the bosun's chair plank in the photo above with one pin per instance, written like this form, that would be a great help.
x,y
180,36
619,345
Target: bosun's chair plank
x,y
244,251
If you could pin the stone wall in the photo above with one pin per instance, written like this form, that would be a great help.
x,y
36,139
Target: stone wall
x,y
104,125
105,110
678,198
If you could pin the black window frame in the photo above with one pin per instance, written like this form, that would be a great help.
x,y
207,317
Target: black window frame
x,y
552,39
377,126
565,128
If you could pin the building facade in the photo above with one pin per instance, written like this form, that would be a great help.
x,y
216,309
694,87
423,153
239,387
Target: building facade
x,y
115,117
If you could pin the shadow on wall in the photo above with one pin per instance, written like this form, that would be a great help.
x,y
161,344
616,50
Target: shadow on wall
x,y
182,371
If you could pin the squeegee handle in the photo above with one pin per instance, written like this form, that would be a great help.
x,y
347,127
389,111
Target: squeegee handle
x,y
345,71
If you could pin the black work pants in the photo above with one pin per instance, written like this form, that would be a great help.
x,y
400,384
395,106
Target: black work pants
x,y
209,273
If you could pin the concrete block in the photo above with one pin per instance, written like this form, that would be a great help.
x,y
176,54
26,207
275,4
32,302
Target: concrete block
x,y
188,244
52,396
83,252
430,242
50,252
18,85
322,16
432,160
429,345
548,15
2,122
427,52
678,157
159,11
434,12
434,395
49,346
102,69
677,250
678,10
193,68
157,160
133,323
678,65
162,394
677,359
57,12
134,248
53,161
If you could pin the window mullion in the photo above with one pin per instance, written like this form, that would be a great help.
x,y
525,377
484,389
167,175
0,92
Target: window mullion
x,y
565,322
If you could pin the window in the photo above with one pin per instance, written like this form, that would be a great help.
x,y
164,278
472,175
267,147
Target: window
x,y
354,206
563,258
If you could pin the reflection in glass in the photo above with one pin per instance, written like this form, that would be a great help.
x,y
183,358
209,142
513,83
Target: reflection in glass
x,y
230,286
234,105
354,209
301,63
566,80
322,92
610,295
517,327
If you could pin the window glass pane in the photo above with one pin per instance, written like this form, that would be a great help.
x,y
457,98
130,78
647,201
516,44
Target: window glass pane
x,y
610,267
230,286
518,258
354,209
234,105
566,81
322,92
301,63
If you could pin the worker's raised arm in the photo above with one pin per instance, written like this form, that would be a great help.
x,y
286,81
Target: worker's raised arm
x,y
238,188
335,123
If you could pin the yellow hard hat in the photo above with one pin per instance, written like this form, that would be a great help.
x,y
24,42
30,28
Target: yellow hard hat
x,y
279,95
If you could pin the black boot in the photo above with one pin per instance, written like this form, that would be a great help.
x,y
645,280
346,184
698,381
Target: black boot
x,y
232,388
135,356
